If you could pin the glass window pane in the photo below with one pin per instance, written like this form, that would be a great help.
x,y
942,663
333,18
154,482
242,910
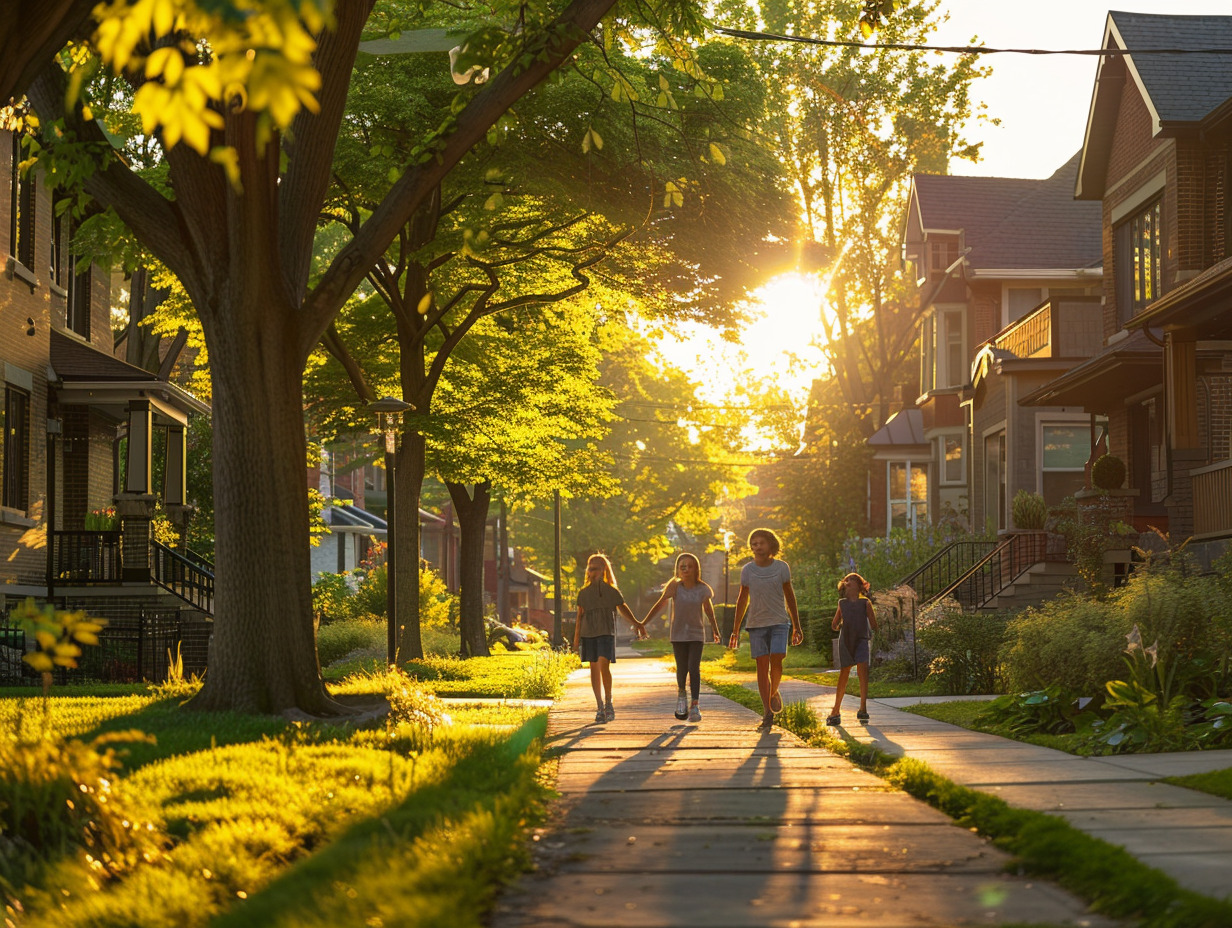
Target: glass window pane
x,y
898,515
921,515
898,481
919,481
1066,447
953,459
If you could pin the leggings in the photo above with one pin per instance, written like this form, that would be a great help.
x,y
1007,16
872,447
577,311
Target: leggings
x,y
689,661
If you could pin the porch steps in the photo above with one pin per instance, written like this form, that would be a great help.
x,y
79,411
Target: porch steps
x,y
1049,579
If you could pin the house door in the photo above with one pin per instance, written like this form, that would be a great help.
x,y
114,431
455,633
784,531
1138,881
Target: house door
x,y
994,482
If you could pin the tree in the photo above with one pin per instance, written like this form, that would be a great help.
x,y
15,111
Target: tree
x,y
853,127
249,173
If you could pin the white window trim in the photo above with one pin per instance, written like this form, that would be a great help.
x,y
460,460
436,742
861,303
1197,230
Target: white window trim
x,y
889,499
940,457
1054,418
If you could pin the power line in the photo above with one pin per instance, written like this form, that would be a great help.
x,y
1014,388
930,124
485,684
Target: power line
x,y
965,49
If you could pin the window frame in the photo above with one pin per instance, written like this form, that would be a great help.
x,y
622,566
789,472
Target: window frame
x,y
15,446
1139,281
22,207
943,478
912,503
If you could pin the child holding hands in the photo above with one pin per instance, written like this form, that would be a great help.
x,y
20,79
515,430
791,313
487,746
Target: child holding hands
x,y
855,622
594,638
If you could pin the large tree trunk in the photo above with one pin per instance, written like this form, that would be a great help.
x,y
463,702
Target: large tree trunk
x,y
473,524
405,524
263,650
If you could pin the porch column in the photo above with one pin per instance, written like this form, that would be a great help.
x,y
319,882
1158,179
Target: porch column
x,y
1180,388
136,511
175,471
1185,451
137,477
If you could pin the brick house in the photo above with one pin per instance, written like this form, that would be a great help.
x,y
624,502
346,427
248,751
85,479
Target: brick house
x,y
1007,272
1157,158
80,426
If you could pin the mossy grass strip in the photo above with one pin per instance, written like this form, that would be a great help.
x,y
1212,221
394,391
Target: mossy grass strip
x,y
1108,878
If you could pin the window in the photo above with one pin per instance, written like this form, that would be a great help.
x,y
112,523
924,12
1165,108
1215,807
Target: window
x,y
908,494
1021,300
928,373
1064,451
941,254
16,460
994,481
1139,252
952,467
21,217
955,374
77,311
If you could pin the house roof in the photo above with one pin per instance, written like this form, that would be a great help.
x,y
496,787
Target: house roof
x,y
1179,90
1013,222
1101,383
343,517
1183,87
90,377
905,427
1200,303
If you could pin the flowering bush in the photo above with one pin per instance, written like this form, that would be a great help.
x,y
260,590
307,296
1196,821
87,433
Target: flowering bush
x,y
102,520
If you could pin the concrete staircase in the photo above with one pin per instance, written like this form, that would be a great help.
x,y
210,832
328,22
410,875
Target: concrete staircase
x,y
1048,579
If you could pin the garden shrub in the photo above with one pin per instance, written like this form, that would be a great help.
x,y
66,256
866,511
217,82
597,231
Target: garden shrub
x,y
544,675
57,800
1029,510
1074,642
885,561
338,639
965,647
364,593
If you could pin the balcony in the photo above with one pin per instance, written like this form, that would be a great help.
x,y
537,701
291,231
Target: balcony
x,y
1060,327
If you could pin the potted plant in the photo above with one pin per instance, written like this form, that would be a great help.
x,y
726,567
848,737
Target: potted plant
x,y
1030,513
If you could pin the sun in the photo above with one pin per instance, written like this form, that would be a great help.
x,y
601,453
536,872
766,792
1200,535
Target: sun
x,y
788,312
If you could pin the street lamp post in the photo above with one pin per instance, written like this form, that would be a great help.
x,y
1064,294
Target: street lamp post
x,y
557,616
389,410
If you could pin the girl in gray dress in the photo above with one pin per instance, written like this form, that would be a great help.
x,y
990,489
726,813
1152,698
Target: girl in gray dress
x,y
855,622
691,605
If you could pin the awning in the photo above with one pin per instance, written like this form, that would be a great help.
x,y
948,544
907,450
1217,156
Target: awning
x,y
1101,384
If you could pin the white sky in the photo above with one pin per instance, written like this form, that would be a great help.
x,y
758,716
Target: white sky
x,y
1042,101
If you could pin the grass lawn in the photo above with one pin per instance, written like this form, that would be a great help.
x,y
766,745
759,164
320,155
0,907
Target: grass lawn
x,y
965,714
1217,782
241,820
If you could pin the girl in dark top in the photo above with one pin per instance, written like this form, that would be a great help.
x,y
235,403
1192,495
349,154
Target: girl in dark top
x,y
855,622
594,638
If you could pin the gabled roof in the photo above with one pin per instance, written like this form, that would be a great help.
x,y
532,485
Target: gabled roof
x,y
1179,90
1013,222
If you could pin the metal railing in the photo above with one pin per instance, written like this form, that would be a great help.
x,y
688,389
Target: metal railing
x,y
944,567
86,557
994,572
183,576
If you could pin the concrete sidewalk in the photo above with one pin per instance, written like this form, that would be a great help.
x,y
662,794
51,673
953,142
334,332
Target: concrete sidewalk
x,y
717,825
1184,833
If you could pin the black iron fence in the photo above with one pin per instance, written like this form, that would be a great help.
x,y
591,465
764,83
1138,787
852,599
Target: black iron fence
x,y
139,642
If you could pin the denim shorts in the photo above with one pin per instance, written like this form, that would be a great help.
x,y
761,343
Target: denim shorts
x,y
769,639
600,646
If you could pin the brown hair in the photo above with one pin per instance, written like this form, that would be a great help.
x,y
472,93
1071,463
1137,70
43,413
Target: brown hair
x,y
770,537
609,576
864,587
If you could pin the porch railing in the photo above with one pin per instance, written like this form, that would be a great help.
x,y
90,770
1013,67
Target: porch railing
x,y
994,573
1212,499
185,576
944,567
86,557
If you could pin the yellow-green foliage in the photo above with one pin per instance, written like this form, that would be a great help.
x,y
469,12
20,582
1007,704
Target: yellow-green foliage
x,y
58,803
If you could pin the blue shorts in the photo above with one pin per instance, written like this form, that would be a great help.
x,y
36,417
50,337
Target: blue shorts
x,y
769,639
597,647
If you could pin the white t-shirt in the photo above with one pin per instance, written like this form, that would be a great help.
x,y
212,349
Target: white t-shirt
x,y
767,604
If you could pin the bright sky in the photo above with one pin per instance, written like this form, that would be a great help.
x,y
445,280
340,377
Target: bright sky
x,y
1042,102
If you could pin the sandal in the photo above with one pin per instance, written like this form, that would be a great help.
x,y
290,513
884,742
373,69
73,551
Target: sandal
x,y
862,715
834,719
776,702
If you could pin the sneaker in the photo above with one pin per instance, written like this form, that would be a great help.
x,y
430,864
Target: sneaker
x,y
695,714
682,707
834,719
600,715
862,715
609,714
776,702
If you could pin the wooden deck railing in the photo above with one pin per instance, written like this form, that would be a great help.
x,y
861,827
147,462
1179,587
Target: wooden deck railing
x,y
1212,499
